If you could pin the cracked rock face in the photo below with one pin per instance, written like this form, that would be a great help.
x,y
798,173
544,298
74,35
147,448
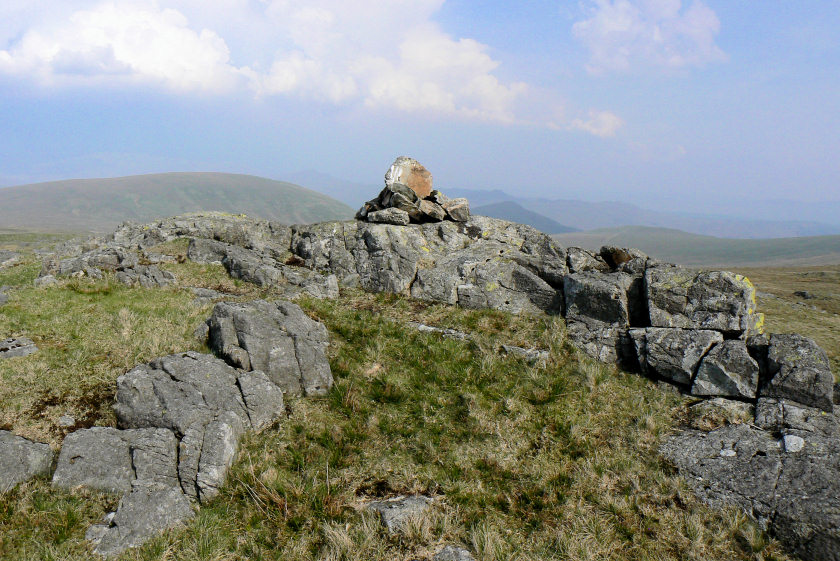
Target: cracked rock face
x,y
21,459
276,338
727,370
116,461
673,354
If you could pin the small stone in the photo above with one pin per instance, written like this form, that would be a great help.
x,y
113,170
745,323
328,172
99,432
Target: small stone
x,y
395,513
394,216
432,210
66,421
453,553
21,346
793,443
45,281
728,453
457,209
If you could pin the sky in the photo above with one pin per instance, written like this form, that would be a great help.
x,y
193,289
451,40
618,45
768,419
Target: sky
x,y
665,103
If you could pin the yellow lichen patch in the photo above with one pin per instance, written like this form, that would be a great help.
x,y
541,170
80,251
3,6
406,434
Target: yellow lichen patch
x,y
491,286
426,249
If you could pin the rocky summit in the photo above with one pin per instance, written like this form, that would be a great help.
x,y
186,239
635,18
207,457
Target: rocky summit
x,y
180,417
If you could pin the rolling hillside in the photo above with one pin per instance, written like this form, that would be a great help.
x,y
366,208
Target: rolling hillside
x,y
101,204
707,251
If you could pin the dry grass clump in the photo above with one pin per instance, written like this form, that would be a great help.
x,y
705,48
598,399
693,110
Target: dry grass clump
x,y
526,462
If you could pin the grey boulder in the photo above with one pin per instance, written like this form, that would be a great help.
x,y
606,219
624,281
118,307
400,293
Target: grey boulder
x,y
791,486
206,403
21,459
276,338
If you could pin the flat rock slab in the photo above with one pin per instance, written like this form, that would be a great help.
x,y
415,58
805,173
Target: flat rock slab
x,y
21,459
395,513
141,515
790,484
276,338
21,346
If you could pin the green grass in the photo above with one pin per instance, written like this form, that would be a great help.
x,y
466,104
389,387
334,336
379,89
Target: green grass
x,y
552,461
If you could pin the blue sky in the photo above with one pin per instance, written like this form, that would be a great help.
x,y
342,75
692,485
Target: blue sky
x,y
668,104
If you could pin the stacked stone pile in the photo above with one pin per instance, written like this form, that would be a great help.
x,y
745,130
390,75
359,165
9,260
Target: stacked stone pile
x,y
408,197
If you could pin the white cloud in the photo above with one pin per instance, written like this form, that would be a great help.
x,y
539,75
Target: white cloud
x,y
625,34
383,55
124,43
600,123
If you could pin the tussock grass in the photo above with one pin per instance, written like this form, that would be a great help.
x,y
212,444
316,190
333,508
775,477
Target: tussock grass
x,y
525,462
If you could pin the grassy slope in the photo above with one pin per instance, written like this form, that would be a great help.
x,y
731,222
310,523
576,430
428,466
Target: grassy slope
x,y
554,461
706,251
101,204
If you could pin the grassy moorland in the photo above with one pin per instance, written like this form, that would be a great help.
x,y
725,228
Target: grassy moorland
x,y
526,462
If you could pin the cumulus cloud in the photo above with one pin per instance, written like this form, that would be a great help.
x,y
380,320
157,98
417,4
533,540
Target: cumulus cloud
x,y
126,43
383,55
600,123
625,34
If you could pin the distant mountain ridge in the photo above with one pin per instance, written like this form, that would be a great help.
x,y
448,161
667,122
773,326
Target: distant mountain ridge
x,y
514,212
101,204
587,215
707,251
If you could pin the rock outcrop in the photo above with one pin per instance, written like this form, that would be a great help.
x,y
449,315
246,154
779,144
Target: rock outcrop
x,y
699,331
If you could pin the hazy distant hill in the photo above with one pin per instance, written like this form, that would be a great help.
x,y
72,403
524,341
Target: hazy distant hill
x,y
101,204
708,251
514,212
590,216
